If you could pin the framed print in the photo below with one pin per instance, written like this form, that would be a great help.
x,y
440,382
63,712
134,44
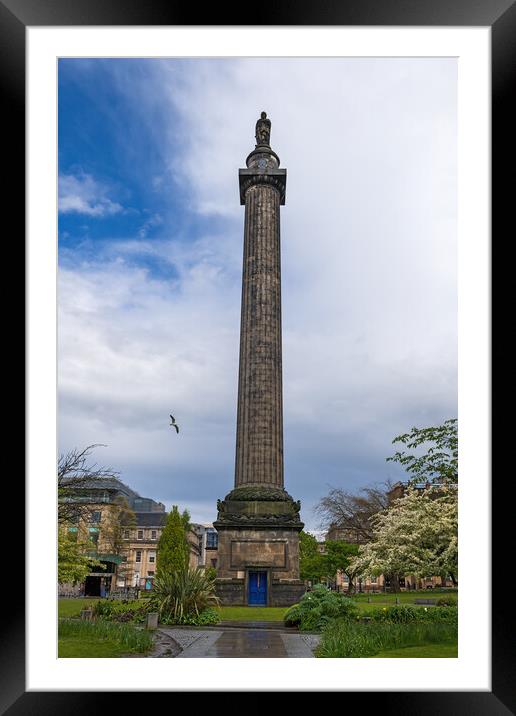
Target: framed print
x,y
41,43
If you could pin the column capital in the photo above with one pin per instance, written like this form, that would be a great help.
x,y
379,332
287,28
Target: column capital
x,y
276,178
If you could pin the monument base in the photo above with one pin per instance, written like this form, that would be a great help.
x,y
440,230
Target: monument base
x,y
282,593
258,548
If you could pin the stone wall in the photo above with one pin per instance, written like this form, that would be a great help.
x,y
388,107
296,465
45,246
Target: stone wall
x,y
230,592
262,548
281,593
284,594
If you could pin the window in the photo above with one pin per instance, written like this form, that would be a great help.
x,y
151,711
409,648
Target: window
x,y
152,556
212,540
126,534
374,579
138,556
150,573
95,516
345,578
154,534
140,534
94,535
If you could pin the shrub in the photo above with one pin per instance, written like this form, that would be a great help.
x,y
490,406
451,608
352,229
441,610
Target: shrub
x,y
318,607
449,601
445,615
207,616
211,572
180,595
293,615
134,639
121,611
348,639
402,614
399,614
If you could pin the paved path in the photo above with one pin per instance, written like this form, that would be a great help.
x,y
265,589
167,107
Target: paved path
x,y
239,643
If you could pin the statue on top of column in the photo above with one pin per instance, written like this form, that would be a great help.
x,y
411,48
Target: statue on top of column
x,y
263,130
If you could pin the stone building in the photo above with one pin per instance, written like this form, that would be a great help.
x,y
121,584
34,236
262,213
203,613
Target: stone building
x,y
97,532
258,522
208,544
140,550
123,530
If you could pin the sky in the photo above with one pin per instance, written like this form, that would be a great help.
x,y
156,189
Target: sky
x,y
150,264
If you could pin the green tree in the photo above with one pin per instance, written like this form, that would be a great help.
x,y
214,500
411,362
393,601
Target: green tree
x,y
210,572
73,565
173,547
312,564
438,464
339,557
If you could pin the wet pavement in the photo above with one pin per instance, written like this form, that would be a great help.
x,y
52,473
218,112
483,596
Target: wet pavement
x,y
240,643
249,643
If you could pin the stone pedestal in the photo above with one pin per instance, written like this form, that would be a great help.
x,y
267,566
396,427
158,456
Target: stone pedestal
x,y
258,531
152,620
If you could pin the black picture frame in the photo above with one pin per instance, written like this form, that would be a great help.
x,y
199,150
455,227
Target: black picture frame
x,y
500,16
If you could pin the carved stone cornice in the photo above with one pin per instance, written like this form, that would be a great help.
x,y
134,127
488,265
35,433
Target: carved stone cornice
x,y
261,493
230,521
276,178
258,507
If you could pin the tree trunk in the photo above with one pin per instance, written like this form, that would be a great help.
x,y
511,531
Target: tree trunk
x,y
395,583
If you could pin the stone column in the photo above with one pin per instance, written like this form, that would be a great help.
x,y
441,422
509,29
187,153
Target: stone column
x,y
258,522
259,445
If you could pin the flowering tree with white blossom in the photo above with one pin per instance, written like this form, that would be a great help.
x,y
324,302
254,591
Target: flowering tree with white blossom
x,y
416,535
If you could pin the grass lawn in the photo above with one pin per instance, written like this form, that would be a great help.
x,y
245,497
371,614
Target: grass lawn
x,y
73,647
426,651
404,597
254,614
364,607
389,599
72,607
84,639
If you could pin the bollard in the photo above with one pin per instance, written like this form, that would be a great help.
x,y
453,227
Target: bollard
x,y
397,600
87,614
152,620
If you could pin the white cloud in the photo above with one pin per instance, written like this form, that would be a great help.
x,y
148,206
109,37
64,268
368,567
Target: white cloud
x,y
150,223
369,279
82,194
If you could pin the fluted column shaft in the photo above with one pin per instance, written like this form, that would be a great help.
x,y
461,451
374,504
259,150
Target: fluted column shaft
x,y
259,448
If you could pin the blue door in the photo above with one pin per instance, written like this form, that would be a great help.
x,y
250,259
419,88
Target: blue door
x,y
258,588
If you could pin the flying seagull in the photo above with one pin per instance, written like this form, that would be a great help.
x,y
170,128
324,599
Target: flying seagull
x,y
173,423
